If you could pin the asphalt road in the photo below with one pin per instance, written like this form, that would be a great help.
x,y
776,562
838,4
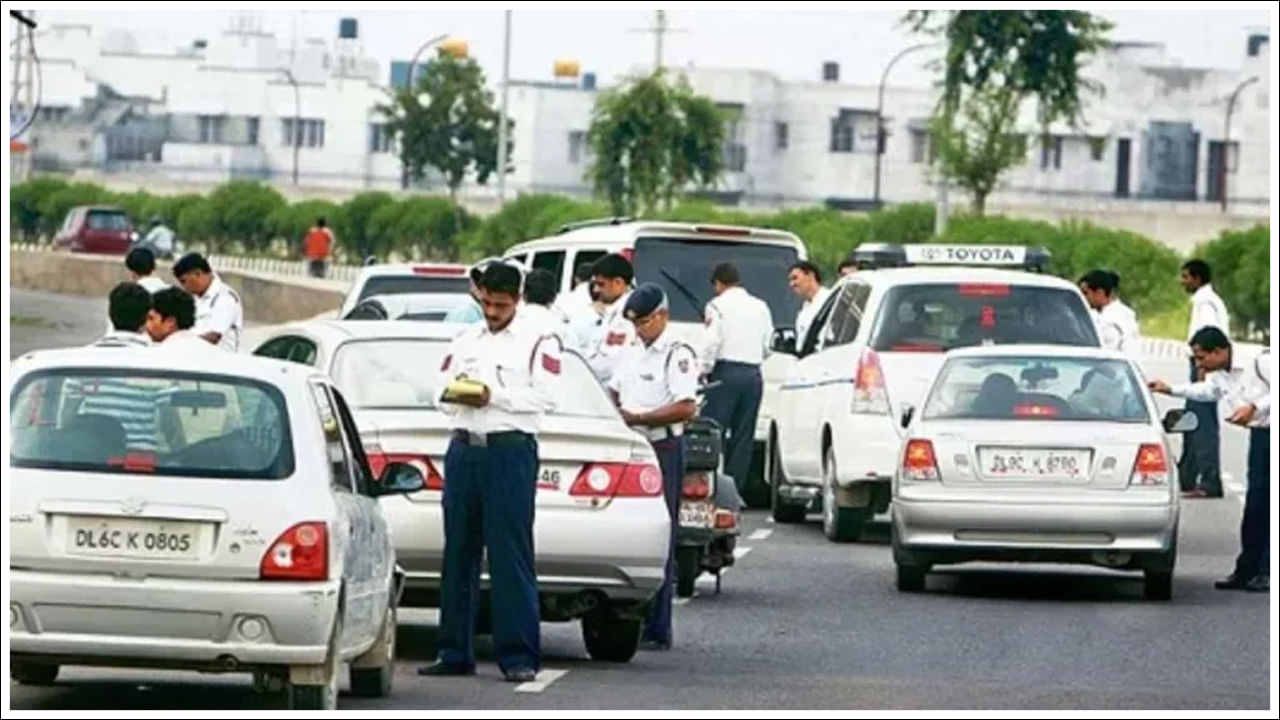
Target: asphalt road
x,y
804,623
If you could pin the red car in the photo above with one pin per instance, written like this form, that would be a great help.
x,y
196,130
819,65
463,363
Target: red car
x,y
95,229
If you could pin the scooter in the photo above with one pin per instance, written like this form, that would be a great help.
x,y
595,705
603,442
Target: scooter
x,y
709,508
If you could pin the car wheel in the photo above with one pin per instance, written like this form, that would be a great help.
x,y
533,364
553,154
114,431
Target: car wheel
x,y
783,511
688,568
610,637
1157,584
755,491
372,673
910,578
322,697
839,524
33,674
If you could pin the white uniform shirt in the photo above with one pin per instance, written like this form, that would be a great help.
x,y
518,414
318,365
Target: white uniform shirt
x,y
655,376
184,340
521,368
219,310
546,321
1235,388
808,310
1118,327
584,319
739,329
124,338
615,333
1208,310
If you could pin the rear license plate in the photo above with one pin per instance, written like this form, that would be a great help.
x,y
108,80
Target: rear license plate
x,y
1034,463
695,514
150,539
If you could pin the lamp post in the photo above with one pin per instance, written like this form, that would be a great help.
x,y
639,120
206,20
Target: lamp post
x,y
1226,139
502,113
455,47
880,112
297,120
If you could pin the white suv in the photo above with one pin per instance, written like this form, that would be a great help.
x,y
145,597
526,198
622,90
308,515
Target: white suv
x,y
875,346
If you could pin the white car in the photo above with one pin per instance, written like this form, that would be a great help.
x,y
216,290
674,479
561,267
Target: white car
x,y
208,513
1038,454
601,529
679,257
406,278
877,343
423,307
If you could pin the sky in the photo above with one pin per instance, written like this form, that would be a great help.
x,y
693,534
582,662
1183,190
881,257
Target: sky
x,y
793,43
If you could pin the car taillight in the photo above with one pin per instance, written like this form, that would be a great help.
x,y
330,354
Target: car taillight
x,y
918,461
983,290
300,553
610,480
628,253
1151,469
439,270
726,520
1032,411
869,394
378,461
697,486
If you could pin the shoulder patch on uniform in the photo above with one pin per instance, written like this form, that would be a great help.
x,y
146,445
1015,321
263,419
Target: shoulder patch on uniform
x,y
684,366
448,360
615,338
550,364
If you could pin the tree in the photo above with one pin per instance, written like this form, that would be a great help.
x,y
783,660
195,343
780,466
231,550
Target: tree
x,y
455,131
651,140
995,61
359,211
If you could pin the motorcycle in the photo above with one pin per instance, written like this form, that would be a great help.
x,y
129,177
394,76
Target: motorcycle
x,y
709,508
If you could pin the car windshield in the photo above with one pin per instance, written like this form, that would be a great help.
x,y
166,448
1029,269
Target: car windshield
x,y
943,316
161,423
389,373
107,220
1037,388
415,284
683,268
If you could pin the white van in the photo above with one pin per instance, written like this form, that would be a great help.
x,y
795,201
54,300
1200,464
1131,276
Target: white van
x,y
679,257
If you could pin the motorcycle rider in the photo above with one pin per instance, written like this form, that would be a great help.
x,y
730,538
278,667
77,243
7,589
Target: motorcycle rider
x,y
160,239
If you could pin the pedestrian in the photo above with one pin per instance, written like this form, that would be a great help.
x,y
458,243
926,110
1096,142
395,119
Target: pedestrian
x,y
739,328
579,306
497,381
1246,396
128,306
848,266
806,282
539,308
141,266
655,387
171,319
470,313
611,278
1117,323
317,246
160,240
1199,468
219,313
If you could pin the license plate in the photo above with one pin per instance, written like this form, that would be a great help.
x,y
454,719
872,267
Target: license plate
x,y
1034,463
695,514
151,539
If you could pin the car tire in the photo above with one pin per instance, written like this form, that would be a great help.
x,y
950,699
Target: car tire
x,y
842,525
1157,584
33,674
322,697
373,672
755,490
610,637
688,568
910,578
782,511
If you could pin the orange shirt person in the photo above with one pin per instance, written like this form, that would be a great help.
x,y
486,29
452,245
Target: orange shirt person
x,y
316,248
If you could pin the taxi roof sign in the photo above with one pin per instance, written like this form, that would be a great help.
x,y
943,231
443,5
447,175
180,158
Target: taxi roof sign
x,y
881,255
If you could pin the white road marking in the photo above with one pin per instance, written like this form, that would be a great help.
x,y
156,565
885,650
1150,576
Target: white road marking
x,y
741,552
684,601
761,534
769,519
542,681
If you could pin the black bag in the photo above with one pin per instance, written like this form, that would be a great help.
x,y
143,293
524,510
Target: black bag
x,y
703,444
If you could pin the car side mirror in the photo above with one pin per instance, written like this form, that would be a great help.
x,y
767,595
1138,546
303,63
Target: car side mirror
x,y
784,341
1180,421
905,414
400,479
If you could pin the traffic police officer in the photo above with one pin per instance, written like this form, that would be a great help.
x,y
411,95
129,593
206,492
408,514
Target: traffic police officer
x,y
491,467
219,314
739,330
655,385
611,277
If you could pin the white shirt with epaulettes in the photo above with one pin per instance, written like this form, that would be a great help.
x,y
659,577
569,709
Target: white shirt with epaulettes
x,y
616,333
739,329
521,367
652,376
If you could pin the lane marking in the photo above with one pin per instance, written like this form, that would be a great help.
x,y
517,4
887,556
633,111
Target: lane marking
x,y
542,681
685,600
761,534
740,553
769,519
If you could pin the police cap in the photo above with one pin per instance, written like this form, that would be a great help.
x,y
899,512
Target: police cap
x,y
644,301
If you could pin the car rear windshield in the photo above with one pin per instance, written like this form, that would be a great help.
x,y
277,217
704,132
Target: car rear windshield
x,y
390,373
944,316
683,268
106,220
1037,388
161,423
404,284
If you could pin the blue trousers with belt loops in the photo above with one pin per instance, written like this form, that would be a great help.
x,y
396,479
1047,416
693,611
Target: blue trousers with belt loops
x,y
657,627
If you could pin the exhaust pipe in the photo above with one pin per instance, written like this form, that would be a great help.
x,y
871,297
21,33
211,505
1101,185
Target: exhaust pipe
x,y
228,663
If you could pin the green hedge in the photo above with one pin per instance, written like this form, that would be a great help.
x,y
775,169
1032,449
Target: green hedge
x,y
251,217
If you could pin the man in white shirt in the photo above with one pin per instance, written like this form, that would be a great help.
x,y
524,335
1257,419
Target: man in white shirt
x,y
169,323
219,314
141,264
739,328
1245,399
537,310
611,277
579,306
806,282
1199,468
491,480
1117,323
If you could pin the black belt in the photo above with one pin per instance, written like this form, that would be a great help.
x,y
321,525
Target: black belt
x,y
497,439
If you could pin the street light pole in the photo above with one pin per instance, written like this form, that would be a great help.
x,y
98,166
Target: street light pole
x,y
880,112
411,82
502,114
1226,139
297,121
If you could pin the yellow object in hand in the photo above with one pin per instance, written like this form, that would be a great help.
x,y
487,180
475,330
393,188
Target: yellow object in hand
x,y
463,387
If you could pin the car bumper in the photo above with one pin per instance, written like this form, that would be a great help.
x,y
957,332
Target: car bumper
x,y
867,448
153,622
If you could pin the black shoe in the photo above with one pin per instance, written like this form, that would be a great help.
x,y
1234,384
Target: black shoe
x,y
655,645
1232,582
444,669
519,675
1260,584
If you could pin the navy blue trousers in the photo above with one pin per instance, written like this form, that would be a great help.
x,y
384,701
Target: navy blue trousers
x,y
735,404
657,627
1255,527
488,506
1200,465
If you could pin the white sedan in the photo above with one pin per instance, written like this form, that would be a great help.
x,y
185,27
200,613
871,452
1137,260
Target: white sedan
x,y
1038,454
196,513
601,530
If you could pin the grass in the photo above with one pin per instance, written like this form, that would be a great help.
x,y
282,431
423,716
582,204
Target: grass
x,y
28,321
1171,324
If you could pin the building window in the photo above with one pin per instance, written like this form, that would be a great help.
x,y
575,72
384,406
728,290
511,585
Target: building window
x,y
1051,152
854,131
1097,148
308,133
735,157
380,138
252,126
841,134
213,129
920,146
577,146
781,137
